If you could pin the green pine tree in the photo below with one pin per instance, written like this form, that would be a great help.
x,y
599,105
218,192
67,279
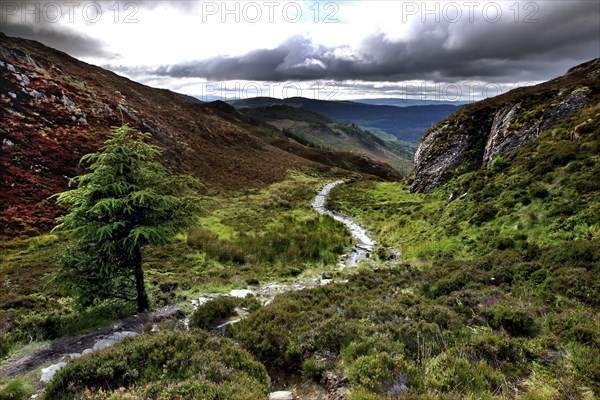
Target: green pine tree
x,y
125,202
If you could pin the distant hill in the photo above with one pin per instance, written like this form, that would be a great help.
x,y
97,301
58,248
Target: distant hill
x,y
315,130
409,102
405,123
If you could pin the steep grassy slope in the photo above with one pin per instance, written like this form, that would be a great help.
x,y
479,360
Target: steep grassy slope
x,y
566,107
55,109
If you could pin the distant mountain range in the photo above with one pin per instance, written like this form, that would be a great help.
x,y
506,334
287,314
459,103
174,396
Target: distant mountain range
x,y
405,123
409,102
317,131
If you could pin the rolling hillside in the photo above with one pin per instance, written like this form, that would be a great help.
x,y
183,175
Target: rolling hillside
x,y
55,109
406,123
315,130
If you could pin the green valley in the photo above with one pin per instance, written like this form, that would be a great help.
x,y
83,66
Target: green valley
x,y
313,262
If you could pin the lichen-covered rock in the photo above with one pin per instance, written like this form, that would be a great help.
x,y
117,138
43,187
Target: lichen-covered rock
x,y
432,163
503,139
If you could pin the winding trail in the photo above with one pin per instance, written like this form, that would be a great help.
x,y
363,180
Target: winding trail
x,y
63,349
365,244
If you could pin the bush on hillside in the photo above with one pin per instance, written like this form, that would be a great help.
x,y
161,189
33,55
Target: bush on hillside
x,y
164,365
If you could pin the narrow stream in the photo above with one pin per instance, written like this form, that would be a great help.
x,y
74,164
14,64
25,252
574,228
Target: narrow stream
x,y
265,294
365,243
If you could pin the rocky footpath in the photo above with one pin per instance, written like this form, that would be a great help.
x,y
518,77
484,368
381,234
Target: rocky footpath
x,y
365,243
266,293
63,350
60,351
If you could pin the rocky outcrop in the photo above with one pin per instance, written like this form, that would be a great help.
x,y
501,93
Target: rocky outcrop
x,y
433,163
477,134
503,139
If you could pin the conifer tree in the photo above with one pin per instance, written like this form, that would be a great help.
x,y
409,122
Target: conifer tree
x,y
125,202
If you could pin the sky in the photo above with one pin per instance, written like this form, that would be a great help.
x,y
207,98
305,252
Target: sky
x,y
329,50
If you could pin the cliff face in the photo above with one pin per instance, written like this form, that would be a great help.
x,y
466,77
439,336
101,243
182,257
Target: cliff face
x,y
481,132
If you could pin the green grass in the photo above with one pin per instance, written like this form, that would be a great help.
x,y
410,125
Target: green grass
x,y
244,238
496,295
504,281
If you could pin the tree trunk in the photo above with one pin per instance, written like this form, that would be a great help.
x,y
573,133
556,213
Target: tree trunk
x,y
143,304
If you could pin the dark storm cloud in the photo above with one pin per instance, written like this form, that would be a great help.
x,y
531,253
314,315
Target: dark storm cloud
x,y
38,20
61,38
49,22
566,33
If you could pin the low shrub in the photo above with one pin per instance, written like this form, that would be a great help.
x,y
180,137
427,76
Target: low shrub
x,y
164,365
214,312
5,346
449,372
315,368
16,389
218,310
513,318
379,373
484,213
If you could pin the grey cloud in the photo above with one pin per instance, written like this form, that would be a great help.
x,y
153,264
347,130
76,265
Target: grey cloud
x,y
63,39
567,33
40,21
19,19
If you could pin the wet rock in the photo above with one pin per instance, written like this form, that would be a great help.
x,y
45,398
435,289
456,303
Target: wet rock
x,y
282,395
112,340
102,344
48,373
365,242
118,336
241,293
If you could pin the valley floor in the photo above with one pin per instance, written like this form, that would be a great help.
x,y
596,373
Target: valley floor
x,y
451,305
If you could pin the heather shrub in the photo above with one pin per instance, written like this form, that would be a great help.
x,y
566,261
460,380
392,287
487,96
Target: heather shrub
x,y
164,365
